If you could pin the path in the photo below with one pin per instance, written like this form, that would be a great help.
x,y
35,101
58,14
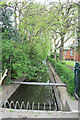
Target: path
x,y
37,114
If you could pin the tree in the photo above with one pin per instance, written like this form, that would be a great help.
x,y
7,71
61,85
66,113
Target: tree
x,y
33,27
63,21
78,28
7,23
24,55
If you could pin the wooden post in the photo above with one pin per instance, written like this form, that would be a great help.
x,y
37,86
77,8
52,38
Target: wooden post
x,y
4,75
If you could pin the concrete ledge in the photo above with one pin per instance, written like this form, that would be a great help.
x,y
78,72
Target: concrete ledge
x,y
6,113
8,90
67,103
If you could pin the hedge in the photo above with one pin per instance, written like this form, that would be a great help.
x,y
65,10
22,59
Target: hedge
x,y
67,76
52,61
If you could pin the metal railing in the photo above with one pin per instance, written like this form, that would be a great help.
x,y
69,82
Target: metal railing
x,y
77,80
30,106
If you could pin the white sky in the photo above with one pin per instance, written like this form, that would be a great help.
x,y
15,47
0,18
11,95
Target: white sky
x,y
43,1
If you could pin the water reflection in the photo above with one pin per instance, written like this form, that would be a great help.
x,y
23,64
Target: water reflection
x,y
36,94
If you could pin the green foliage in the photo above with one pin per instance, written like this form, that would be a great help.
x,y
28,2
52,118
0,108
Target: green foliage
x,y
52,61
10,110
68,58
70,63
72,59
25,61
35,33
23,56
62,23
52,55
67,76
72,98
7,28
62,62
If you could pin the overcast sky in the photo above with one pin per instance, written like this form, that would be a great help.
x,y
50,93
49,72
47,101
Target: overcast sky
x,y
43,1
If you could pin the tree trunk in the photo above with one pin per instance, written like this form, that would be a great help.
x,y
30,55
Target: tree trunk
x,y
55,54
61,49
15,9
78,31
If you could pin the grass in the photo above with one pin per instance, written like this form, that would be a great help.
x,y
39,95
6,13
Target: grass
x,y
10,110
70,63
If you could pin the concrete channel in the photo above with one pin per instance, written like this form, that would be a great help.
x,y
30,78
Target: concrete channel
x,y
67,108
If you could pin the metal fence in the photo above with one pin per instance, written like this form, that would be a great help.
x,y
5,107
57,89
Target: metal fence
x,y
30,106
77,80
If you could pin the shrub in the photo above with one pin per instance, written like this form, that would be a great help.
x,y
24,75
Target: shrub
x,y
62,62
68,58
67,76
65,58
72,59
52,55
52,61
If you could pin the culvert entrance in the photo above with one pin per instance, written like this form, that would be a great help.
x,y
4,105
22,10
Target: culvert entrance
x,y
33,97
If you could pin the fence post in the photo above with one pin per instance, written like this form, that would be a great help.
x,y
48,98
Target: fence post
x,y
77,80
75,91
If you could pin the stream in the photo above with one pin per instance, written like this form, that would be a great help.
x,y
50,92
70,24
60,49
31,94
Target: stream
x,y
42,97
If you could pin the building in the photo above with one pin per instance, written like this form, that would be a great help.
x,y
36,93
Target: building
x,y
68,52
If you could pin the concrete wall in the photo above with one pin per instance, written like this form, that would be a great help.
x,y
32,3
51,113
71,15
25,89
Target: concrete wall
x,y
8,90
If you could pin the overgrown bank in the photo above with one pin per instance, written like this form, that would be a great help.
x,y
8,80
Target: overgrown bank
x,y
24,44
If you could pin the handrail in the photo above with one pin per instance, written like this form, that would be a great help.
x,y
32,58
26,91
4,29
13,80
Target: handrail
x,y
36,83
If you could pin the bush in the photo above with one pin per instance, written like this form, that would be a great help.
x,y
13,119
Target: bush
x,y
52,61
65,58
52,55
67,76
72,59
68,58
62,62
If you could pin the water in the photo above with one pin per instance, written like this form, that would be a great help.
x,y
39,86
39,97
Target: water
x,y
42,96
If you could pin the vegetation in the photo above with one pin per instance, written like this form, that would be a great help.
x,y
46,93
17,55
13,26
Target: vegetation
x,y
72,59
67,76
63,25
70,63
65,73
52,55
29,30
27,46
52,61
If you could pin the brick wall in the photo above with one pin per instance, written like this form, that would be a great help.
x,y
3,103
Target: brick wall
x,y
77,56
